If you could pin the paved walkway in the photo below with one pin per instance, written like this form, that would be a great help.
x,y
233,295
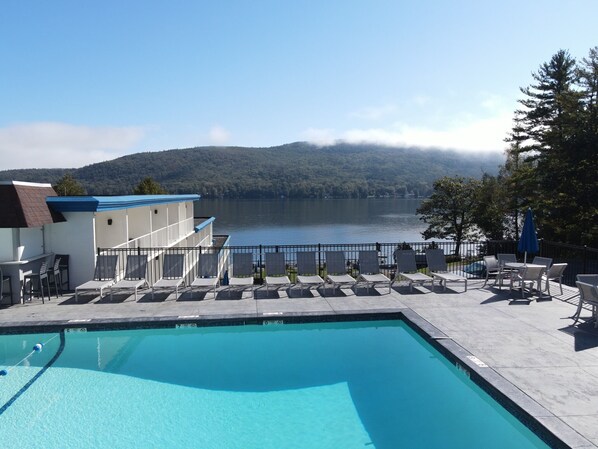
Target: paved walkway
x,y
532,351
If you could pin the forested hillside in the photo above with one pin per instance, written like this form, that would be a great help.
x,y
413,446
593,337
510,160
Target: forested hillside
x,y
293,170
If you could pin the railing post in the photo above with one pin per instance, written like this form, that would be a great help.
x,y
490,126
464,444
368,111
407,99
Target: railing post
x,y
585,259
260,265
319,259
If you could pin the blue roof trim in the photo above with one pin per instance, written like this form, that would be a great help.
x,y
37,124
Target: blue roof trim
x,y
203,224
107,203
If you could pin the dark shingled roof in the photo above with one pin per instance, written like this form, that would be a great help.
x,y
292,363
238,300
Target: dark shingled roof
x,y
23,205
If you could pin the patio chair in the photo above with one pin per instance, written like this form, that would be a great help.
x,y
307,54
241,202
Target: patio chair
x,y
104,275
208,274
369,270
276,271
492,269
135,273
555,273
588,294
38,278
173,272
54,276
407,269
546,261
336,269
439,269
528,275
307,271
242,277
505,272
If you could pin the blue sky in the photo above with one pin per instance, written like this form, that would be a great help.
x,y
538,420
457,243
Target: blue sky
x,y
83,82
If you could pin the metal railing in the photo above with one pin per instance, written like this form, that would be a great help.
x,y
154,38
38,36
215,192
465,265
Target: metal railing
x,y
468,263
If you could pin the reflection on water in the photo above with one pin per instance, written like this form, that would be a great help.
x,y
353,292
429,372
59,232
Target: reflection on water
x,y
285,221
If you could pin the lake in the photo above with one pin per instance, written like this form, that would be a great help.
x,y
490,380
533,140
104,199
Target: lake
x,y
306,221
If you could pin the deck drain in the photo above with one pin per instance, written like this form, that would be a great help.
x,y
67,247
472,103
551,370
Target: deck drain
x,y
477,361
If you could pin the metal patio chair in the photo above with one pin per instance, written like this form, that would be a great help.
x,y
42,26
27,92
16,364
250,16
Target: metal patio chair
x,y
369,270
208,275
242,272
336,269
173,272
276,272
407,269
438,268
104,275
135,275
307,271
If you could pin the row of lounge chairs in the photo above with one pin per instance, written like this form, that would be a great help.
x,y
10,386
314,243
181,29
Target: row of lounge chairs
x,y
242,277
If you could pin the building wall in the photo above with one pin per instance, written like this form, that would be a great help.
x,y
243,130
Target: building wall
x,y
6,245
33,241
75,237
114,234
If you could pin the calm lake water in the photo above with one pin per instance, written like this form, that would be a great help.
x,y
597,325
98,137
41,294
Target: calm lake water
x,y
286,221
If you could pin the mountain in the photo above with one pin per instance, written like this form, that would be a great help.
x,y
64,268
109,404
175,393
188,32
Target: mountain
x,y
292,170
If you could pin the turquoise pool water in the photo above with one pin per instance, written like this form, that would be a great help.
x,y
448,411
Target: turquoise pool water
x,y
326,385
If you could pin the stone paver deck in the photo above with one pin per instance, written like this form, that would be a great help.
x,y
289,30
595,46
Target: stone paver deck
x,y
534,354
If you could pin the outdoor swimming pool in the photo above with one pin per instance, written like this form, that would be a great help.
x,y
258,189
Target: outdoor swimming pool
x,y
372,384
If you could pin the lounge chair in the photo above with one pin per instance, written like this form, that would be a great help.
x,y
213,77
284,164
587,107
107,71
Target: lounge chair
x,y
336,269
407,269
276,272
173,272
208,274
369,270
528,275
307,271
588,294
242,277
135,273
438,268
555,273
104,275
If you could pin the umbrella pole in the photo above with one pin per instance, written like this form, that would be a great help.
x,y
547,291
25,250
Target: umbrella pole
x,y
525,257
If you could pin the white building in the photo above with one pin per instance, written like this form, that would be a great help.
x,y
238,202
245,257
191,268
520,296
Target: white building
x,y
79,226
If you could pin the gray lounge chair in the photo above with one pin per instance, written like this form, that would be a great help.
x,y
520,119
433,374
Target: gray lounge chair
x,y
104,275
407,269
173,272
135,273
438,268
336,268
307,271
369,270
276,272
208,275
242,273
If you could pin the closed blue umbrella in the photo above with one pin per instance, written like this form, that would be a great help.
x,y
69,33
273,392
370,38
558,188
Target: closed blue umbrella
x,y
528,242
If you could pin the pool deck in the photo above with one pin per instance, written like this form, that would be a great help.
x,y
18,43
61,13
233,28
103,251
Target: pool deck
x,y
526,349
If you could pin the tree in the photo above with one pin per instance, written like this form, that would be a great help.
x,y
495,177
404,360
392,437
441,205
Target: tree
x,y
68,186
554,145
450,211
149,187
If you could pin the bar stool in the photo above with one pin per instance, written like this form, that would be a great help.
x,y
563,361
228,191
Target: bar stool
x,y
55,276
4,279
39,277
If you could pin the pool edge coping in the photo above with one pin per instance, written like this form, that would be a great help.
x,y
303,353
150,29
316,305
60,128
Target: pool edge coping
x,y
548,427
